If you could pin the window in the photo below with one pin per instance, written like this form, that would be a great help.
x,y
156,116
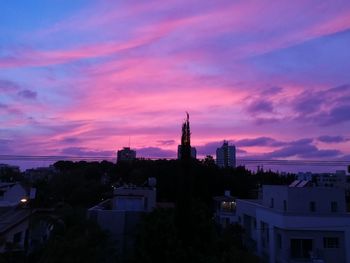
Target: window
x,y
331,242
334,207
312,206
272,203
284,205
17,237
300,248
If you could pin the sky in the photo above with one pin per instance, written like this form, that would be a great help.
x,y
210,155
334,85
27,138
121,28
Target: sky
x,y
82,78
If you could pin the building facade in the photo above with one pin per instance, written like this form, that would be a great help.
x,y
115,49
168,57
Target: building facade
x,y
297,224
339,179
126,155
121,214
226,155
225,209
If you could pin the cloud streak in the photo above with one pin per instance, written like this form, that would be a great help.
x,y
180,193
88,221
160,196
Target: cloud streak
x,y
261,74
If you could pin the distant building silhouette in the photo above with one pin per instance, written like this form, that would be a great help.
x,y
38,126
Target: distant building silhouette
x,y
226,155
126,155
193,152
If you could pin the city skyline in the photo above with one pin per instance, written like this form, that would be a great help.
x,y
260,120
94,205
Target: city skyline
x,y
79,78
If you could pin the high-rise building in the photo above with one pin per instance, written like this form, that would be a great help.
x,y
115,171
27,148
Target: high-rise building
x,y
126,154
226,155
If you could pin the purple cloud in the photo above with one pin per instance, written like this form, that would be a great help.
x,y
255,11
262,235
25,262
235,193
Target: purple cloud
x,y
9,110
8,86
336,115
332,139
321,154
272,91
155,152
5,147
260,106
85,152
261,141
307,103
325,107
208,148
166,142
303,149
70,140
27,94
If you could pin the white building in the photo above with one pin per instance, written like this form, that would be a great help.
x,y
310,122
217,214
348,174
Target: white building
x,y
226,155
121,214
297,224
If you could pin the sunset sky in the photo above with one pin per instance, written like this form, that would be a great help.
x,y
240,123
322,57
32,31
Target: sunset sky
x,y
81,77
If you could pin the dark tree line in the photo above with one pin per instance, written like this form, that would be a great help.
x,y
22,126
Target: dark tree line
x,y
80,185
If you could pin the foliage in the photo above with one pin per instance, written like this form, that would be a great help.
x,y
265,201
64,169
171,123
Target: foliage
x,y
79,185
159,240
75,239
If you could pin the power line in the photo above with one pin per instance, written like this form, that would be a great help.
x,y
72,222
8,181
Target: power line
x,y
271,162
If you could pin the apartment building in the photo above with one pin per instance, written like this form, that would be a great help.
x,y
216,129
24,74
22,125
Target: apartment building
x,y
297,223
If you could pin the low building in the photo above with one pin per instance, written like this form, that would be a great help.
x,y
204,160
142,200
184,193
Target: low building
x,y
126,155
225,209
121,214
297,224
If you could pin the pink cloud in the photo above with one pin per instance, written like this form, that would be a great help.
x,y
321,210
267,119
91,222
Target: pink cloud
x,y
143,77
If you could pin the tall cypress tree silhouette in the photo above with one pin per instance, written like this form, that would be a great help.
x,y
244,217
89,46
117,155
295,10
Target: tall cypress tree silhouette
x,y
183,217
